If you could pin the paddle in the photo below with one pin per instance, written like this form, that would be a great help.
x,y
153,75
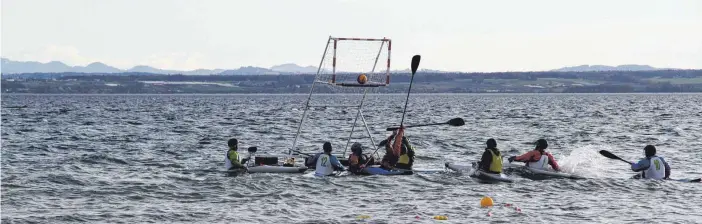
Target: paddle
x,y
302,153
453,122
610,155
414,65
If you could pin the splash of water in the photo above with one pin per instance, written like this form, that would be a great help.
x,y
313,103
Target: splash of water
x,y
587,161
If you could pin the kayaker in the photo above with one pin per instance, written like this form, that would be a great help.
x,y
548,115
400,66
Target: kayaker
x,y
537,158
232,158
651,167
327,163
391,155
406,158
357,160
491,161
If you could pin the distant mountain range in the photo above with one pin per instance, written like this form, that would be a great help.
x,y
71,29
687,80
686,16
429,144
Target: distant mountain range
x,y
593,68
15,67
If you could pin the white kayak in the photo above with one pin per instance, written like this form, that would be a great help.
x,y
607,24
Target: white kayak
x,y
481,175
277,169
546,173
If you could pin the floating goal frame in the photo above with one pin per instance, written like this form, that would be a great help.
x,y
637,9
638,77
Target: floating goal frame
x,y
334,41
384,43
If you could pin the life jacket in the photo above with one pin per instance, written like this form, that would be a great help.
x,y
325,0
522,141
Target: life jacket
x,y
496,164
324,166
405,159
231,155
656,169
541,163
354,160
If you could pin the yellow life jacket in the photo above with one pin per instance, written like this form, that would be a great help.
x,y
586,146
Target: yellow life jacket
x,y
496,164
233,156
404,159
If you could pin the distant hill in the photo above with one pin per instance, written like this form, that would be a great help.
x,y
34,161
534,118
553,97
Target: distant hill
x,y
15,67
249,70
293,68
9,66
593,68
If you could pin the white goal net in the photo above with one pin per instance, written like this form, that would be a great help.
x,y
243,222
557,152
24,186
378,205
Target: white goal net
x,y
345,59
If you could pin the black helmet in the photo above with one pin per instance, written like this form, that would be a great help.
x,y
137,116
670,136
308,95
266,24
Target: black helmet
x,y
357,148
232,142
650,150
327,147
491,143
541,144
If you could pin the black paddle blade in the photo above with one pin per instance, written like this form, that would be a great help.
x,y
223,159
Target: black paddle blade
x,y
608,154
415,63
456,122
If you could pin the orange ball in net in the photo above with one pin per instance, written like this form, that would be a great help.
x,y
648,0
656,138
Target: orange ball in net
x,y
362,79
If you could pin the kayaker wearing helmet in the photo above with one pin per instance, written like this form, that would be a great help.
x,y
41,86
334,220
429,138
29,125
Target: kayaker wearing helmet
x,y
357,160
491,161
392,149
231,161
327,163
651,167
537,158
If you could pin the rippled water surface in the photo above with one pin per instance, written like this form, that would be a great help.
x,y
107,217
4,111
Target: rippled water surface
x,y
158,158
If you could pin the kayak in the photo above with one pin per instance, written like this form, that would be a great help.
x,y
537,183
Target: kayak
x,y
696,180
375,170
542,174
277,169
480,175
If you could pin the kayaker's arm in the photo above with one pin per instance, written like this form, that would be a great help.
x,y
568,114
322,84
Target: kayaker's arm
x,y
641,165
552,162
234,160
667,168
526,157
335,162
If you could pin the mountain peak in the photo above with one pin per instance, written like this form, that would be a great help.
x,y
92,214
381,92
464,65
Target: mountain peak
x,y
294,68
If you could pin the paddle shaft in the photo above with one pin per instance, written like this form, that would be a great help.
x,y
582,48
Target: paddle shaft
x,y
419,125
407,100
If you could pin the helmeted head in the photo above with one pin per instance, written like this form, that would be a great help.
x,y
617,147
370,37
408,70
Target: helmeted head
x,y
650,150
356,148
233,143
491,143
327,147
541,144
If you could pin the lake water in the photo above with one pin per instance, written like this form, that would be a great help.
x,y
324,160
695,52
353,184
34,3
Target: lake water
x,y
158,158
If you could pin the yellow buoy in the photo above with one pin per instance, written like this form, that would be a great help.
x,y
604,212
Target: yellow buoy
x,y
441,217
486,202
363,217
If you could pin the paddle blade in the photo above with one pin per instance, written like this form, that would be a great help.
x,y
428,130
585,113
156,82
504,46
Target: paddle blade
x,y
608,154
415,63
456,122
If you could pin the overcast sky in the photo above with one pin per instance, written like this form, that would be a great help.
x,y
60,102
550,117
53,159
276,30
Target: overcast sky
x,y
460,35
